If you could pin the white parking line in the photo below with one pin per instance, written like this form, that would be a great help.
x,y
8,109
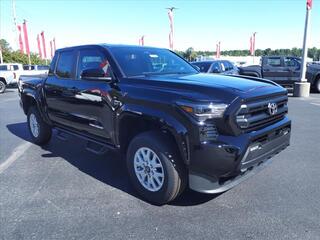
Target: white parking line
x,y
17,152
315,103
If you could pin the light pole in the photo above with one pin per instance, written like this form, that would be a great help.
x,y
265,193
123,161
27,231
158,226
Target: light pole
x,y
302,88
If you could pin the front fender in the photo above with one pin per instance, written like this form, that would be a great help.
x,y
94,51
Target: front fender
x,y
165,120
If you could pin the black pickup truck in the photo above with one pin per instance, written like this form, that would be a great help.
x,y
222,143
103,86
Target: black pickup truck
x,y
283,70
313,75
176,126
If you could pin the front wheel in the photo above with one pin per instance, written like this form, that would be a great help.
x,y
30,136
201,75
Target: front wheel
x,y
155,168
2,86
40,131
317,85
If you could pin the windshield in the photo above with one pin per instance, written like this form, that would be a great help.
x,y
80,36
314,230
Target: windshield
x,y
137,61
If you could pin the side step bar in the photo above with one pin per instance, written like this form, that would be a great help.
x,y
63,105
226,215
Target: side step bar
x,y
92,145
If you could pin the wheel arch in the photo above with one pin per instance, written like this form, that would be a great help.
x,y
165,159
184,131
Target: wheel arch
x,y
132,122
2,79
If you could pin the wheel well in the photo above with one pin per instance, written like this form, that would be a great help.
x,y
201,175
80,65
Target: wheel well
x,y
131,126
27,103
3,80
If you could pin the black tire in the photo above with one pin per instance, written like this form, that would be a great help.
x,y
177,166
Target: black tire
x,y
317,85
175,176
44,130
2,86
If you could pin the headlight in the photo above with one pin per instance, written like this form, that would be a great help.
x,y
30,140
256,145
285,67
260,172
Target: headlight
x,y
204,111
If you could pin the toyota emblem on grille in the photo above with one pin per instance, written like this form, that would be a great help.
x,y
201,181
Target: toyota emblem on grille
x,y
272,108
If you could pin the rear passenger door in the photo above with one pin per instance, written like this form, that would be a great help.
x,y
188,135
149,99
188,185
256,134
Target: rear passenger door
x,y
59,89
273,69
294,68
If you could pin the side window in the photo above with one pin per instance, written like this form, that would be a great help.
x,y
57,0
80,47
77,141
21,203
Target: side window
x,y
227,66
53,64
274,62
65,64
93,59
3,68
215,67
15,67
290,62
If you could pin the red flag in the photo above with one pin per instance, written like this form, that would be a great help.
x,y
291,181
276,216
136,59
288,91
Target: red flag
x,y
54,44
253,43
44,45
218,49
39,46
20,39
51,54
251,46
170,14
26,40
309,4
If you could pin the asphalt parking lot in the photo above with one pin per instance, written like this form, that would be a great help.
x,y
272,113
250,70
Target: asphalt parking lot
x,y
61,191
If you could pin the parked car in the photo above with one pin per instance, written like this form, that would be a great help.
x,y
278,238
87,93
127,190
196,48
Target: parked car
x,y
313,75
284,70
15,68
35,70
217,66
6,78
176,126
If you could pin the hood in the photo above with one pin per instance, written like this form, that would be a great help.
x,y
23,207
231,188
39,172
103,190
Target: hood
x,y
208,86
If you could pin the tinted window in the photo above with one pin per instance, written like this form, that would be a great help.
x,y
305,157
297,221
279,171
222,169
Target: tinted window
x,y
3,68
43,67
215,68
53,64
135,61
204,66
275,62
93,59
65,63
15,67
227,65
290,62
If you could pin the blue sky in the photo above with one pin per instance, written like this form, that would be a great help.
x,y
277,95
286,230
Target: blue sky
x,y
198,24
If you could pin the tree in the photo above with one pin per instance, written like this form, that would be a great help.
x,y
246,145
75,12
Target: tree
x,y
11,56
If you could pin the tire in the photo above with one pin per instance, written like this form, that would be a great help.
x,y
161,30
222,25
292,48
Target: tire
x,y
166,162
2,86
39,130
317,85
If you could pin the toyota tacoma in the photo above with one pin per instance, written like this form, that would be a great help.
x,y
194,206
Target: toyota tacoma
x,y
177,127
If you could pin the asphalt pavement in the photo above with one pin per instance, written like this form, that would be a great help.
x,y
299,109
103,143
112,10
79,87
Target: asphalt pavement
x,y
62,191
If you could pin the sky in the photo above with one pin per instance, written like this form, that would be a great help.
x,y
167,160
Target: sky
x,y
198,23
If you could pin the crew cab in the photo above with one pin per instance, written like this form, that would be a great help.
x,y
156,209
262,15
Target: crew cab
x,y
280,69
217,66
177,127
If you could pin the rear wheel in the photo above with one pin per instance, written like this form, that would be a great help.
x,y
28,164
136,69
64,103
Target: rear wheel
x,y
39,130
2,86
155,168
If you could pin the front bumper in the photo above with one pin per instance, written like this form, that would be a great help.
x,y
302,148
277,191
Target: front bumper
x,y
219,167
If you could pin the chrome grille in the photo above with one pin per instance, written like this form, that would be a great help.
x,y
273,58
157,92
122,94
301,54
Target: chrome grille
x,y
254,115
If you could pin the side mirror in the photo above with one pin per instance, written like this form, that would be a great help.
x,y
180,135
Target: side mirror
x,y
94,74
196,67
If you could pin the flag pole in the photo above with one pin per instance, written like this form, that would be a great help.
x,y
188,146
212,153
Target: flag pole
x,y
302,88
